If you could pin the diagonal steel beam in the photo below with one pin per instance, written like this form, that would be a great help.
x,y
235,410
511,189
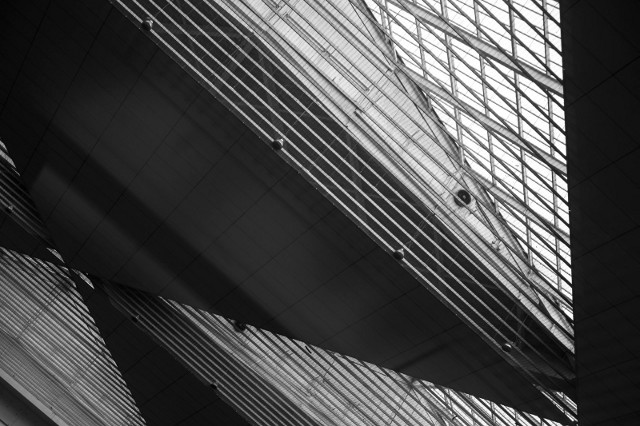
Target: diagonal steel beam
x,y
486,49
51,348
489,123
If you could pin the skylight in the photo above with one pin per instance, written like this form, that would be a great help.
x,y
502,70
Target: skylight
x,y
501,59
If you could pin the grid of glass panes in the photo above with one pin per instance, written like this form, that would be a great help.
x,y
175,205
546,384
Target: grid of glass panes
x,y
513,95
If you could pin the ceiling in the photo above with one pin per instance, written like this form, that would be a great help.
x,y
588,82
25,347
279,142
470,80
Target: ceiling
x,y
164,390
602,115
145,179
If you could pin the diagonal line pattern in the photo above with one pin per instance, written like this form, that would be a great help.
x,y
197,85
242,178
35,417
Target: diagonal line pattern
x,y
51,346
334,54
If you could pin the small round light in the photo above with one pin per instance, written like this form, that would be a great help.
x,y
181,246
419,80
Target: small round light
x,y
462,198
398,254
147,24
277,144
10,208
507,347
135,318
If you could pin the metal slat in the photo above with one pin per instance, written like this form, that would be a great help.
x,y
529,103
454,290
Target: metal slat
x,y
288,364
249,392
58,335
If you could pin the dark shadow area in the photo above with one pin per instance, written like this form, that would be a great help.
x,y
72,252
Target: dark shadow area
x,y
601,44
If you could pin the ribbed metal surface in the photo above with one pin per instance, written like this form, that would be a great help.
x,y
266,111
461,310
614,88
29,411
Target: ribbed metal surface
x,y
353,121
52,348
253,396
275,380
50,344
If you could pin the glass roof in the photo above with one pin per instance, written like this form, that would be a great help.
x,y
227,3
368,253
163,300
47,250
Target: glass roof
x,y
501,60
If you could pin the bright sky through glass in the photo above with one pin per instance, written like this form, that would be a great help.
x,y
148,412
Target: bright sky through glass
x,y
501,59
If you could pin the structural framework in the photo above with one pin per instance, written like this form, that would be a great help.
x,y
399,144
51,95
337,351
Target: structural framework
x,y
54,355
435,126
